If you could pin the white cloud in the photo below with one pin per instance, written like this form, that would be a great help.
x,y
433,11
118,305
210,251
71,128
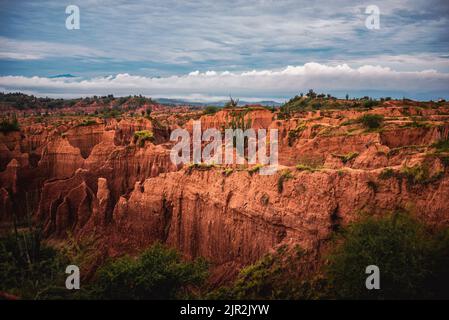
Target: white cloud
x,y
255,83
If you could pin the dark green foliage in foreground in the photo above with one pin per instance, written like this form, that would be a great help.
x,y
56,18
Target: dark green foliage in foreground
x,y
371,121
9,125
30,269
413,263
158,273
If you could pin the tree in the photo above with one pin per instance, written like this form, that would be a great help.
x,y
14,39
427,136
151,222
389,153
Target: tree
x,y
232,103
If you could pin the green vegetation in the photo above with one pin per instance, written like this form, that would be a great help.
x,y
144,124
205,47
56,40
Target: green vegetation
x,y
87,122
410,259
142,136
282,177
373,186
210,110
370,103
441,145
347,157
413,260
254,169
22,101
227,172
416,124
419,174
416,175
371,121
30,269
304,167
7,125
294,134
203,166
231,104
157,273
275,276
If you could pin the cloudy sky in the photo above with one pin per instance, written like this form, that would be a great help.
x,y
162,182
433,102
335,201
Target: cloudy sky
x,y
210,49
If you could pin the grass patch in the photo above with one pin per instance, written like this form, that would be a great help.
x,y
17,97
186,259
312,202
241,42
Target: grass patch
x,y
255,169
416,175
227,172
419,174
200,167
304,167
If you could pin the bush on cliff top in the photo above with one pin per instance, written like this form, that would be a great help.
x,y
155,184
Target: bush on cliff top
x,y
143,136
371,121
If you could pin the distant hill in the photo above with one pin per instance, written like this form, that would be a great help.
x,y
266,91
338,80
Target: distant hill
x,y
220,103
67,75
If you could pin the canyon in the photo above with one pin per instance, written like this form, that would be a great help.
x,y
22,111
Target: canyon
x,y
90,177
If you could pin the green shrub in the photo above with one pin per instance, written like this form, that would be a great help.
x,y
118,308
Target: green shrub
x,y
386,173
371,121
255,169
142,136
9,125
87,122
211,110
158,273
419,174
227,172
30,269
283,176
373,186
294,134
347,157
410,259
441,145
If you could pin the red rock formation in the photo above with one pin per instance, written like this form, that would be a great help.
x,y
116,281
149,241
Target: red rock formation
x,y
94,180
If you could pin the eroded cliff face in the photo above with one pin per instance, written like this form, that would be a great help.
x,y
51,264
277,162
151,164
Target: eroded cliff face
x,y
94,180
